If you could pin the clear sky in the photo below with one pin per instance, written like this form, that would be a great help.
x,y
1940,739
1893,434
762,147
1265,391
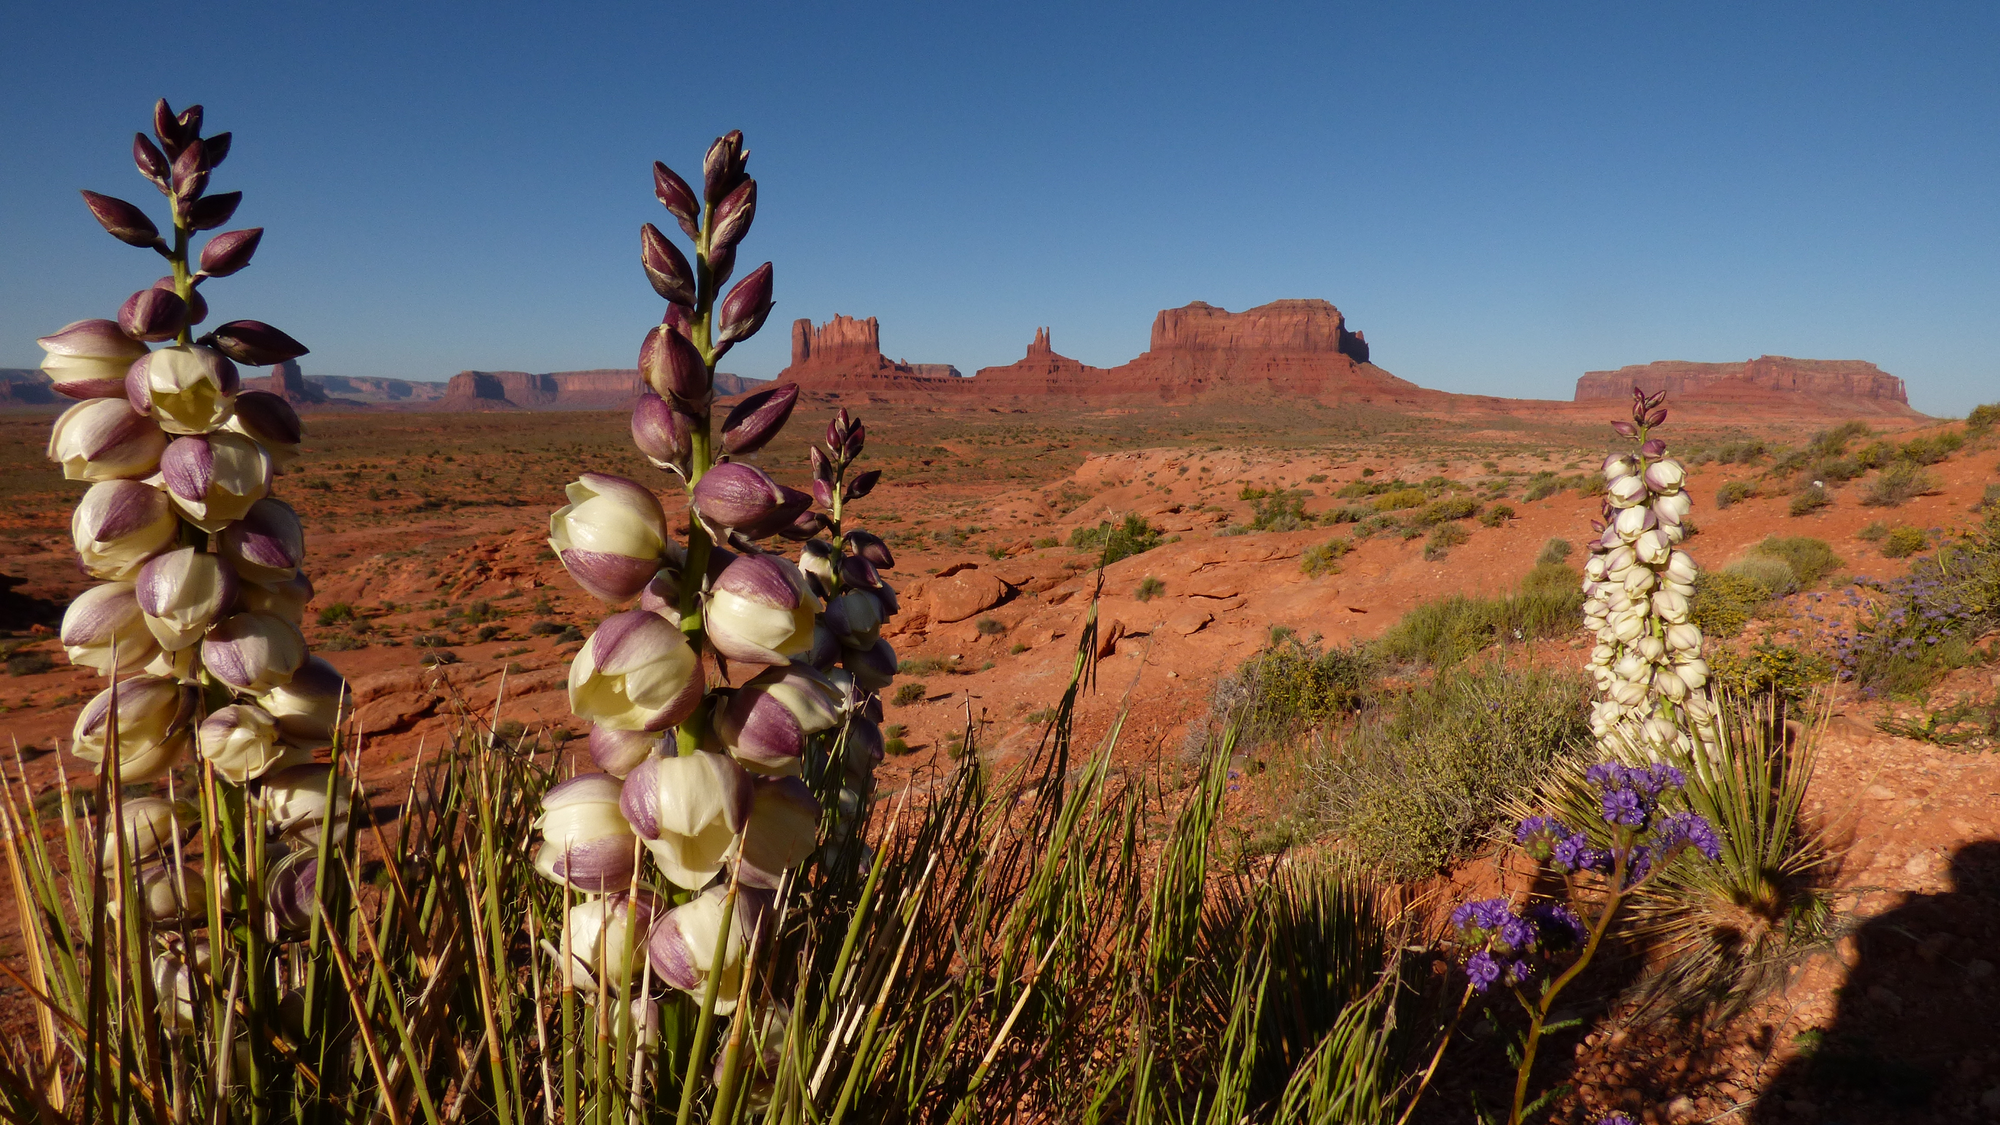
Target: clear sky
x,y
1501,195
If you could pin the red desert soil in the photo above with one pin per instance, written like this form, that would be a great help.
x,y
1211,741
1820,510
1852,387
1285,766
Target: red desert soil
x,y
427,534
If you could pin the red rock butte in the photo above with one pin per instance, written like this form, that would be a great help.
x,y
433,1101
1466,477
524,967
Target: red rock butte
x,y
602,389
844,355
1851,383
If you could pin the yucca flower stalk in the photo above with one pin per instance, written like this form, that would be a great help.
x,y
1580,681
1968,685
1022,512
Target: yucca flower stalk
x,y
733,709
193,993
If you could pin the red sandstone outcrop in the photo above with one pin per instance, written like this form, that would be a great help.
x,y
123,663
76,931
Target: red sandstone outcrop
x,y
1819,379
844,356
600,389
27,387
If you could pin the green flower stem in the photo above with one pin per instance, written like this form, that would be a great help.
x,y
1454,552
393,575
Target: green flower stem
x,y
183,280
1539,1014
705,1023
701,458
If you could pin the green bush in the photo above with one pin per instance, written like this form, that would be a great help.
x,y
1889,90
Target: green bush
x,y
1400,499
1149,588
1904,542
1770,669
1443,539
988,627
1930,450
1541,486
1421,779
1983,418
1555,551
1988,500
1876,454
1873,533
1448,630
1113,542
1291,686
1808,498
1833,442
910,691
1497,515
336,613
1735,492
1741,452
1917,628
1724,602
1897,485
1550,577
1836,469
1447,509
1324,558
1773,577
1809,559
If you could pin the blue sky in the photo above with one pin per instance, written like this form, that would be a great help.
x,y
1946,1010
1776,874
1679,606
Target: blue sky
x,y
1501,196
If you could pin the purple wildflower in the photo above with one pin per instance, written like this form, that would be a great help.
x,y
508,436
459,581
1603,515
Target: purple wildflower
x,y
1515,935
1571,853
1617,1119
1556,925
1539,835
1624,806
1638,866
1483,970
1481,916
1686,830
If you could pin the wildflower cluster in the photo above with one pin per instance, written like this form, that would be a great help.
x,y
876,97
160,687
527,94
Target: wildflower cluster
x,y
1647,663
203,583
1502,938
723,788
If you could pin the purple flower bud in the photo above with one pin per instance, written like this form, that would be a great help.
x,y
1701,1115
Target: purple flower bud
x,y
150,161
617,752
122,220
665,267
118,525
1625,429
807,525
721,264
89,359
586,842
822,467
1653,448
855,619
663,434
611,536
689,809
309,704
817,559
197,304
856,438
783,829
744,310
863,484
823,653
678,198
759,611
722,168
155,726
769,722
253,652
1656,416
673,367
153,315
753,422
636,672
168,128
230,251
733,217
241,742
681,946
105,439
108,617
215,150
874,668
870,547
865,745
288,891
743,498
182,593
254,342
858,572
822,491
886,594
214,478
269,420
190,172
267,544
211,211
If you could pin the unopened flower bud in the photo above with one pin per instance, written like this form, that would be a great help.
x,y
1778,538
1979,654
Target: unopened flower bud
x,y
733,217
1664,478
1653,449
1625,429
153,315
189,172
611,536
855,619
682,944
618,752
1673,509
607,936
688,809
870,547
89,358
105,439
118,525
267,544
150,161
290,893
722,168
746,500
255,343
673,367
211,211
1626,492
286,599
743,311
1693,673
1656,417
182,593
271,422
586,842
230,251
863,484
150,825
872,668
167,893
122,220
155,725
865,746
104,618
636,672
678,198
214,478
187,390
295,803
665,267
818,559
822,491
1652,546
753,422
663,434
1672,607
1684,637
308,705
783,828
241,742
253,652
769,721
823,653
760,610
804,526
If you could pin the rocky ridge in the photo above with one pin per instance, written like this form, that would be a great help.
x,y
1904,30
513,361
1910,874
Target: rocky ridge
x,y
1863,384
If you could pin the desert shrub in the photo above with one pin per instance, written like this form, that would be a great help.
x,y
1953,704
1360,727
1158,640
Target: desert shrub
x,y
1420,780
1497,515
1770,669
1772,577
1913,630
1734,492
910,691
1724,601
1930,450
1131,536
1808,498
488,632
1836,469
1989,499
1291,686
1546,577
1541,486
1400,499
336,613
546,628
1740,452
1448,630
1833,442
1281,510
893,743
29,663
988,627
1904,542
1897,485
1873,533
1149,588
1983,418
1555,551
1443,539
1446,509
1348,514
1809,559
926,665
1791,461
1324,558
1875,454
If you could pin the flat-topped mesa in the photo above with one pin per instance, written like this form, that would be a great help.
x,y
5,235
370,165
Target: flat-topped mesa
x,y
844,355
604,388
1851,379
1310,327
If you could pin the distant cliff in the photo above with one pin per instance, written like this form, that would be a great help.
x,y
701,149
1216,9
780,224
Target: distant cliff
x,y
844,355
601,389
1815,378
